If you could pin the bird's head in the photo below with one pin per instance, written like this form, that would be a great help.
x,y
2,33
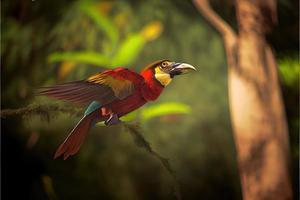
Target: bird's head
x,y
164,70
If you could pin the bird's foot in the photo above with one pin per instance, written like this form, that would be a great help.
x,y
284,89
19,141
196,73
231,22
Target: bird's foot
x,y
112,120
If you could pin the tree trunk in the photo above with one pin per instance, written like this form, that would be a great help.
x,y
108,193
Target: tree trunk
x,y
257,113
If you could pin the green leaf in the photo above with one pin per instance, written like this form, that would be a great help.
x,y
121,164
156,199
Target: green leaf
x,y
100,123
101,21
86,57
289,69
164,109
129,50
129,117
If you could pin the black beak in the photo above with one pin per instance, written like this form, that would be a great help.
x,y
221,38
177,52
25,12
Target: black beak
x,y
181,68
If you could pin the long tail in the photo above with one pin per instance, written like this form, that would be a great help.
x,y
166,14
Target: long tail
x,y
72,143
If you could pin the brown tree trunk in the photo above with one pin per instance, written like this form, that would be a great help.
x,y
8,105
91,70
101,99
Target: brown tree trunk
x,y
256,107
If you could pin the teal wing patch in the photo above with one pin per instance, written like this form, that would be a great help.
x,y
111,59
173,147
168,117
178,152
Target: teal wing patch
x,y
92,107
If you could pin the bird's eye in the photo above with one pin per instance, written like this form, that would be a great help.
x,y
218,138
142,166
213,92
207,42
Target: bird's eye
x,y
164,64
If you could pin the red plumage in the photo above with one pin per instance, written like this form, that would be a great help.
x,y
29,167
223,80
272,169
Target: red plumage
x,y
120,91
110,95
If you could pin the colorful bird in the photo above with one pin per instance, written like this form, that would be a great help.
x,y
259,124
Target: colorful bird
x,y
112,94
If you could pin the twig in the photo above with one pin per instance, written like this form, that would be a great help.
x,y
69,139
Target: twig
x,y
141,142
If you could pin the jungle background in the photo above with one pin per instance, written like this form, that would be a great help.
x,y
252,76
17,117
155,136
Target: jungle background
x,y
49,42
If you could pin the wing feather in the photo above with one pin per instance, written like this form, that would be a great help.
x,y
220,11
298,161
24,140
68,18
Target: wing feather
x,y
104,87
80,92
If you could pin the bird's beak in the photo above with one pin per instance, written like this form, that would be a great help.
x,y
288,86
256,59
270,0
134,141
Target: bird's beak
x,y
181,68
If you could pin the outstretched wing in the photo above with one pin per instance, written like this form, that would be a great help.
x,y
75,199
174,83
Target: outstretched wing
x,y
103,87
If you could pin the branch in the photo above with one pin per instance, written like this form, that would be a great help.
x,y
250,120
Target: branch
x,y
45,111
141,142
228,34
204,7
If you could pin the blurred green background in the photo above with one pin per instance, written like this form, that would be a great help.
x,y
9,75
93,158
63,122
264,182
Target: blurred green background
x,y
49,42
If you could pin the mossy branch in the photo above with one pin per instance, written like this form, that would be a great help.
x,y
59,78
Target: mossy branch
x,y
49,111
141,142
44,111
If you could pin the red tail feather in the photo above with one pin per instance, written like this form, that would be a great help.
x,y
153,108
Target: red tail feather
x,y
72,143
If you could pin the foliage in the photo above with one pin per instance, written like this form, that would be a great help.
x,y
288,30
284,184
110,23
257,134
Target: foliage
x,y
289,69
117,51
92,58
164,109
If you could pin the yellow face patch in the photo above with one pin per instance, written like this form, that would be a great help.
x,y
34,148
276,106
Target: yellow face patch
x,y
163,77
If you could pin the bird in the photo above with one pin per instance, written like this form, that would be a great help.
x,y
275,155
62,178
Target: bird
x,y
111,94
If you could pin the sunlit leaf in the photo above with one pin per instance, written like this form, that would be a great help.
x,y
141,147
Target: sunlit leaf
x,y
129,117
162,109
131,47
129,50
289,69
86,57
152,30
